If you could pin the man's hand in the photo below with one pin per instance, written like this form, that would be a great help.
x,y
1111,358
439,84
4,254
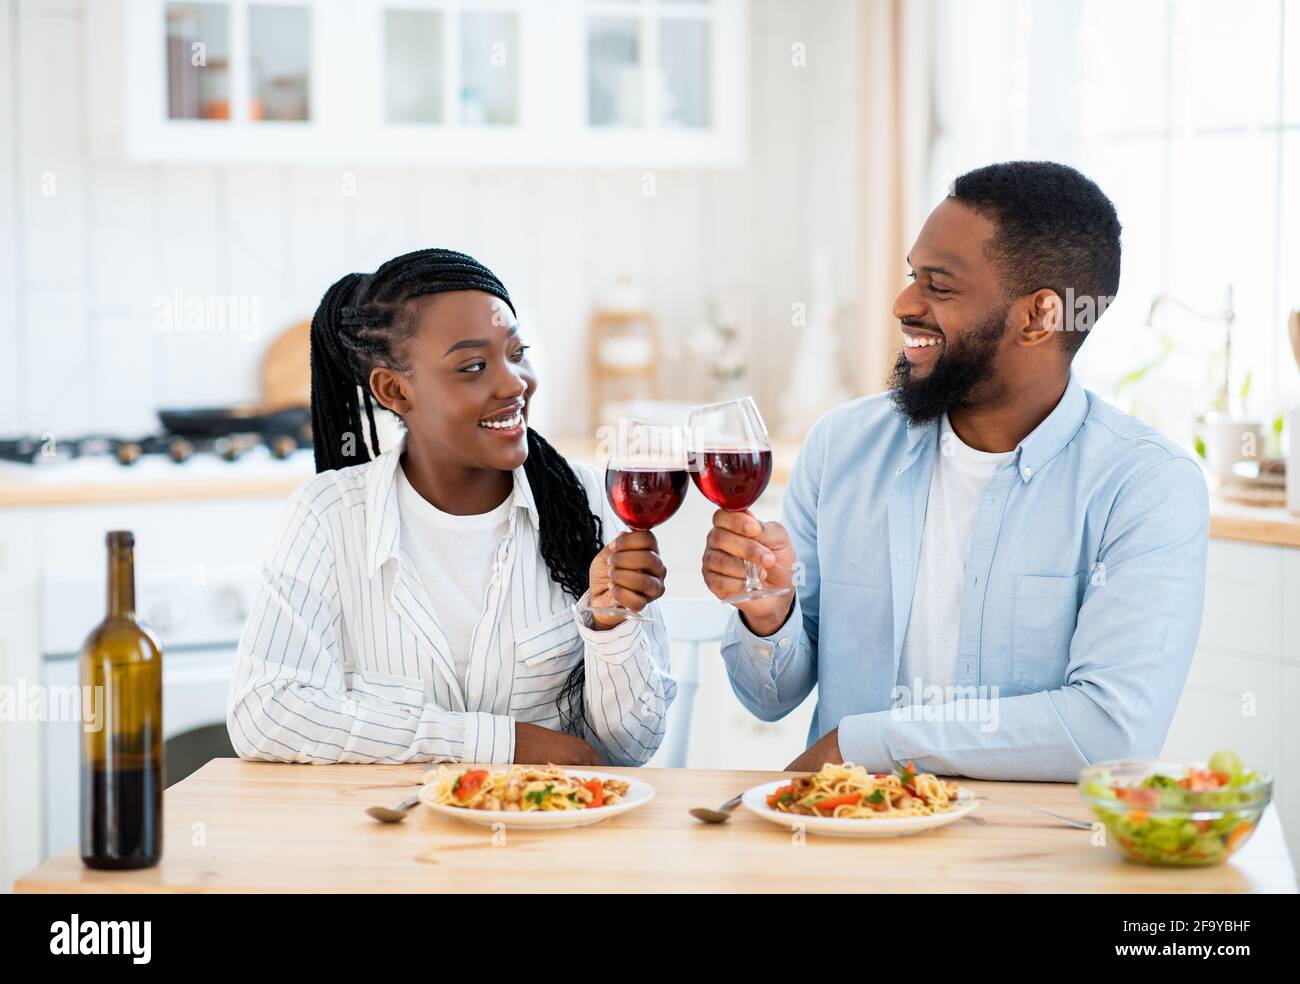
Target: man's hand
x,y
735,538
628,572
535,745
825,749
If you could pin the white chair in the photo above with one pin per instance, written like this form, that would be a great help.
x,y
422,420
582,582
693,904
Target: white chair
x,y
690,622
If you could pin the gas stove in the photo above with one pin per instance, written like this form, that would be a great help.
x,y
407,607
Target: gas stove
x,y
40,452
217,434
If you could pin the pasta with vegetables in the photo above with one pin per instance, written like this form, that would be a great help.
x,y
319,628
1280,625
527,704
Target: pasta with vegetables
x,y
521,789
849,791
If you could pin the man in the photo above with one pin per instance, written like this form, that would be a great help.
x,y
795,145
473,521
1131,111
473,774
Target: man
x,y
998,575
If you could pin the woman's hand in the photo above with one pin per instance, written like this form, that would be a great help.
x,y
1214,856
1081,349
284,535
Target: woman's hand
x,y
535,745
627,572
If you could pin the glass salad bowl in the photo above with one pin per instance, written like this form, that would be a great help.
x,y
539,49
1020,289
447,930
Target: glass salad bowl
x,y
1177,813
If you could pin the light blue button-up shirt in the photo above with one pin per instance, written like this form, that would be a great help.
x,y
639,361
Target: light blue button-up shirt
x,y
1081,602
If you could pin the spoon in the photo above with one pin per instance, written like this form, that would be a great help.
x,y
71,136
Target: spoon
x,y
396,815
721,815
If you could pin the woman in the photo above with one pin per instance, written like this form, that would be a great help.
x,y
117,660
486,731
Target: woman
x,y
419,605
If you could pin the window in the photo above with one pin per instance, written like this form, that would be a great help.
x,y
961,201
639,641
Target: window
x,y
452,62
649,63
1187,114
279,62
197,52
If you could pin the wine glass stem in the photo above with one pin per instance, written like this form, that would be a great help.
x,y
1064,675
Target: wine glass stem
x,y
752,581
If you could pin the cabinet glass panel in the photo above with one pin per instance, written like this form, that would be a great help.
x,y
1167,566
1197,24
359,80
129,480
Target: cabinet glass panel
x,y
614,71
198,61
489,69
413,66
684,71
279,63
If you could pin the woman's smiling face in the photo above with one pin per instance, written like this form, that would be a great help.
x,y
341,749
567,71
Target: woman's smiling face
x,y
465,397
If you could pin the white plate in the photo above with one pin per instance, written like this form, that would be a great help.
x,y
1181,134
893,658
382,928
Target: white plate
x,y
755,801
639,793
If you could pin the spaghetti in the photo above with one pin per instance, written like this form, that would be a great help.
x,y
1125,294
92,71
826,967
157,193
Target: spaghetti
x,y
520,789
849,791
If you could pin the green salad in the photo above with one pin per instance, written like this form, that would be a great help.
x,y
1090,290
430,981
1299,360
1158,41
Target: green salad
x,y
1198,818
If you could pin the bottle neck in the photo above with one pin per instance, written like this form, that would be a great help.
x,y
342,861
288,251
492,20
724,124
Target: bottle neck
x,y
121,582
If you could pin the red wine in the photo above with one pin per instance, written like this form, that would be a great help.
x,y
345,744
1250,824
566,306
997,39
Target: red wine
x,y
731,479
124,829
645,497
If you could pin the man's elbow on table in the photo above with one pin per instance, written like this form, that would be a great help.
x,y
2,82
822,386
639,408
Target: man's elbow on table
x,y
1105,733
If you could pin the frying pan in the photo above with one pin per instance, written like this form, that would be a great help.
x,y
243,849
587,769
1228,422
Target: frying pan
x,y
210,422
286,398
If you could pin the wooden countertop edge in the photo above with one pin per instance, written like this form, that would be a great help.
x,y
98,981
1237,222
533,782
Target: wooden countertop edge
x,y
20,494
1253,524
998,886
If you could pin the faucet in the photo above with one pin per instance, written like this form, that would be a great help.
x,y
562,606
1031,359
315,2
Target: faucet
x,y
1228,316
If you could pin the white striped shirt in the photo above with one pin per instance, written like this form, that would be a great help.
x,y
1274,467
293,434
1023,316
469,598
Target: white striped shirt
x,y
343,659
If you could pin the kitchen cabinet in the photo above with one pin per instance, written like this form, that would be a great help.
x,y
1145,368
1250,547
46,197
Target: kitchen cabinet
x,y
506,83
1245,676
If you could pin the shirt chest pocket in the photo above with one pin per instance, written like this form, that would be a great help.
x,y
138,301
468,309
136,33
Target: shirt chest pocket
x,y
547,652
1044,614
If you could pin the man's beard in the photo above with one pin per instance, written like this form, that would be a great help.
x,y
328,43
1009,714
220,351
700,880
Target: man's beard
x,y
956,373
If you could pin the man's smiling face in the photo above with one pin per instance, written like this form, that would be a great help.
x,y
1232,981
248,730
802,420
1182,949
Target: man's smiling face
x,y
952,316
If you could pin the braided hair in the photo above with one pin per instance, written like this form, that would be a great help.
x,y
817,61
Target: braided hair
x,y
365,321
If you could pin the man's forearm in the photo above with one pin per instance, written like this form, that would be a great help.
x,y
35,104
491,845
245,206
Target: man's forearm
x,y
1020,737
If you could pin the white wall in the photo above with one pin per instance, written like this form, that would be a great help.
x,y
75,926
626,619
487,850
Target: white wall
x,y
80,269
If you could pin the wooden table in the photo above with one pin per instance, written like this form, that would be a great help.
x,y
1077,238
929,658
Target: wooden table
x,y
251,827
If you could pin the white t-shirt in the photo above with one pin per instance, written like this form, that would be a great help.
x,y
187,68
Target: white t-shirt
x,y
961,474
453,557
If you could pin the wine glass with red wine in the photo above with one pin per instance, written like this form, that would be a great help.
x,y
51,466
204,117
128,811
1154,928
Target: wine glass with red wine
x,y
645,481
730,459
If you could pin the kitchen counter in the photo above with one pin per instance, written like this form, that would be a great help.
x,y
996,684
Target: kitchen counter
x,y
1253,524
154,478
78,484
237,826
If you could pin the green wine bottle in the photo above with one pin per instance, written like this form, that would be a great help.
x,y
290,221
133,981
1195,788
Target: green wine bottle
x,y
122,752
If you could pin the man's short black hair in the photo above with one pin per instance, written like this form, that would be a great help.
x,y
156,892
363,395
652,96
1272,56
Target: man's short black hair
x,y
1055,229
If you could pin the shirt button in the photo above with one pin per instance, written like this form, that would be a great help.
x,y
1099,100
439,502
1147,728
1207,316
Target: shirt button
x,y
765,650
1028,472
768,686
784,643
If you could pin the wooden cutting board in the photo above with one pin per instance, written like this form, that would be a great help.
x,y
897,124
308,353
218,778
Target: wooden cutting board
x,y
286,368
